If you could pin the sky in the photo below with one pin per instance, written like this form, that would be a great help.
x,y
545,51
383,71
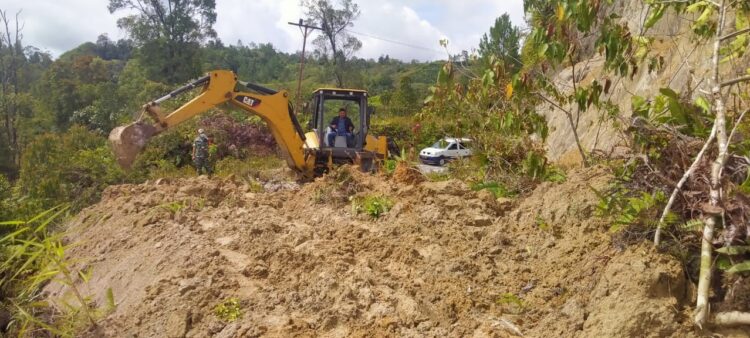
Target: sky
x,y
406,29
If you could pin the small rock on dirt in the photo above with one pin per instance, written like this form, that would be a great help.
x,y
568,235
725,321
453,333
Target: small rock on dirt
x,y
178,324
481,221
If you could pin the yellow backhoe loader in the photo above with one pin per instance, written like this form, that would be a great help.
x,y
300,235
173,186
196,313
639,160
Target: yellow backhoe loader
x,y
307,153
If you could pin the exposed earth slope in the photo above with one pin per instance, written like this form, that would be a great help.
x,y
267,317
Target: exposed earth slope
x,y
444,261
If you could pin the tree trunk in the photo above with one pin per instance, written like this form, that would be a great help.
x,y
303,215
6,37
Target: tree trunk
x,y
702,307
10,87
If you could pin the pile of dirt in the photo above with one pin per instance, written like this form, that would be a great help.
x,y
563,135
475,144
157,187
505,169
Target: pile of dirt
x,y
443,261
407,174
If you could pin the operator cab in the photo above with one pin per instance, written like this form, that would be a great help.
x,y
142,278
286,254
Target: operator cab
x,y
327,104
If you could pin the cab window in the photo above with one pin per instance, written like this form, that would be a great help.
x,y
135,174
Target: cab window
x,y
440,144
453,146
331,109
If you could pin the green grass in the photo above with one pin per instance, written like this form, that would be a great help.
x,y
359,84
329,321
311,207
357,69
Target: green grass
x,y
374,205
34,256
496,188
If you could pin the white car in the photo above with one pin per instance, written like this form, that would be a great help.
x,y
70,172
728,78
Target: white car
x,y
444,150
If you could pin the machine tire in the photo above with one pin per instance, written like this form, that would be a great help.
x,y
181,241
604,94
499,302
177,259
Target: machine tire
x,y
442,161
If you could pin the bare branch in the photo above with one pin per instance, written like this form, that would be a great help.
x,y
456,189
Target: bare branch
x,y
569,115
735,81
732,318
732,35
678,188
736,124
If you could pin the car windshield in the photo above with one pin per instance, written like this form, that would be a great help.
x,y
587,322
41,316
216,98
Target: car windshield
x,y
441,144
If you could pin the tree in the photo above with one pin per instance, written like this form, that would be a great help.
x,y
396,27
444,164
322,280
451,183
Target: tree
x,y
712,25
12,59
168,33
405,98
503,43
335,43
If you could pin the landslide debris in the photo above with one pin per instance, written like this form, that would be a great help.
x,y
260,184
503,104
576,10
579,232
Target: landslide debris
x,y
443,261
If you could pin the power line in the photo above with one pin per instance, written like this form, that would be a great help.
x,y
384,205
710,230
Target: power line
x,y
395,42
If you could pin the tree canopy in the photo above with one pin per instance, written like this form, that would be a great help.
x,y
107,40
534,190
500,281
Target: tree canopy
x,y
169,33
335,42
502,42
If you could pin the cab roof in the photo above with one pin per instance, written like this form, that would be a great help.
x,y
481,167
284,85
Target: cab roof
x,y
340,90
455,139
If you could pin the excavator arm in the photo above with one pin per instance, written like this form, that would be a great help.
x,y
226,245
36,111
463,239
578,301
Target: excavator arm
x,y
219,87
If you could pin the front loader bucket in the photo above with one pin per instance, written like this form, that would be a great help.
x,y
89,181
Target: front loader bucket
x,y
127,141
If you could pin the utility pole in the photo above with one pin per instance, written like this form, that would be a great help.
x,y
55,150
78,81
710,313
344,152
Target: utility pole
x,y
306,30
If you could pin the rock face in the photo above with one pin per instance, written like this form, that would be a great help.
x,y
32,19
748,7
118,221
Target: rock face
x,y
687,67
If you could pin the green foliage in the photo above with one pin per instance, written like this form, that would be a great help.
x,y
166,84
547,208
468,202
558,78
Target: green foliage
x,y
405,97
534,165
542,223
737,48
734,250
729,264
373,205
496,188
554,174
334,43
169,41
82,90
669,108
33,256
5,195
438,176
740,267
630,209
229,310
502,43
511,303
260,63
173,207
72,167
389,166
500,122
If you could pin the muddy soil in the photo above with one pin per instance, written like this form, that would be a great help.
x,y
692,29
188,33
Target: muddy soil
x,y
445,261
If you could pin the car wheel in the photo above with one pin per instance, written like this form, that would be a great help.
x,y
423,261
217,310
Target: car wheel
x,y
442,161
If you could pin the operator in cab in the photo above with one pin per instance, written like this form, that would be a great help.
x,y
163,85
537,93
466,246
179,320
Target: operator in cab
x,y
341,125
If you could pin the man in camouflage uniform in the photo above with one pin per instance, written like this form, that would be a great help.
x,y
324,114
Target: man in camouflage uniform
x,y
200,153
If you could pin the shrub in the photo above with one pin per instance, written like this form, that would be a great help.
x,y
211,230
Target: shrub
x,y
237,136
71,167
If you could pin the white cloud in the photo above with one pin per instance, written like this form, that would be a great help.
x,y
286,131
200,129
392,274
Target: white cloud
x,y
398,31
412,27
58,26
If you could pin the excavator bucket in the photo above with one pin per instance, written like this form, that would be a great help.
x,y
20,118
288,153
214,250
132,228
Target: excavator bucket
x,y
127,141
